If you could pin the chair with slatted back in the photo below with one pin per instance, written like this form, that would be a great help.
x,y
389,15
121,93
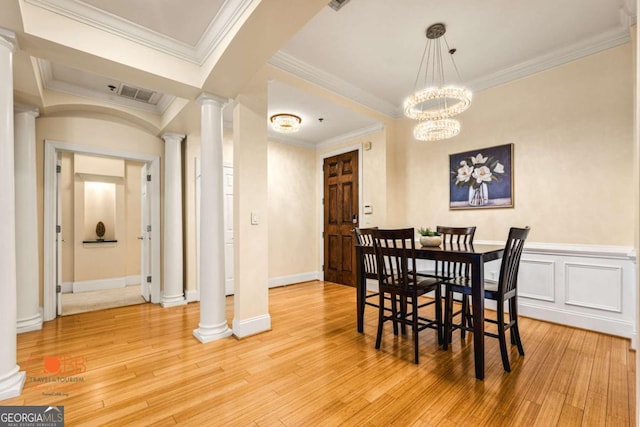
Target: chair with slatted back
x,y
397,280
504,291
370,266
456,238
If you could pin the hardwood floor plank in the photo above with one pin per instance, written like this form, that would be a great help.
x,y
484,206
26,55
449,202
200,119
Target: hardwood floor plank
x,y
144,367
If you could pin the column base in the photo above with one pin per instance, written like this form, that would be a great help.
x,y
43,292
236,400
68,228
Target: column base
x,y
33,323
206,334
255,325
11,385
173,301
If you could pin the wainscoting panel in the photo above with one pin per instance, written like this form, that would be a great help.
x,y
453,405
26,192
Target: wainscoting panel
x,y
589,287
537,279
594,286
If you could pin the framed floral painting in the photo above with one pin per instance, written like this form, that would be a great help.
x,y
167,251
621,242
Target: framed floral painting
x,y
481,178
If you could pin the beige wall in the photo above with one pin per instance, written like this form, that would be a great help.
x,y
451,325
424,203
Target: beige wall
x,y
293,213
572,130
94,131
99,261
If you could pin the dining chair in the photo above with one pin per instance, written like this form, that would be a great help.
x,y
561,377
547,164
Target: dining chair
x,y
395,255
457,238
454,238
370,268
504,291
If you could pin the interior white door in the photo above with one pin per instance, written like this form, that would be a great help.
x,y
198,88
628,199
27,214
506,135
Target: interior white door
x,y
228,226
58,235
228,229
145,235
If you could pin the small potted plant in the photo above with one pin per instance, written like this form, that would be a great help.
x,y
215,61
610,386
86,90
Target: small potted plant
x,y
429,237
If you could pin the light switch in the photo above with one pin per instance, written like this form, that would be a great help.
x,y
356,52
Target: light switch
x,y
255,219
367,209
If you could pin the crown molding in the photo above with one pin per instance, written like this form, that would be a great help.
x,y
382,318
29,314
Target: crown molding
x,y
226,18
607,40
628,13
50,83
305,71
349,136
289,140
553,59
8,39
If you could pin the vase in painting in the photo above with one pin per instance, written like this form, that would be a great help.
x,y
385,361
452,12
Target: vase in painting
x,y
479,196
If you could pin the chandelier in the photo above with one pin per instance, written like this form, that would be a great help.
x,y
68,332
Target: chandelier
x,y
285,123
436,104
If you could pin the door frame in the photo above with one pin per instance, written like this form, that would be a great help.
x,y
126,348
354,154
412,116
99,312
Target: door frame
x,y
358,148
51,149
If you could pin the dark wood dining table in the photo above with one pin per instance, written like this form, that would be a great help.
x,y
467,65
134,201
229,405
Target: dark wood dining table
x,y
475,255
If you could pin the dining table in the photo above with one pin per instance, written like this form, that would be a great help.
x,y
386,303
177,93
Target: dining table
x,y
476,255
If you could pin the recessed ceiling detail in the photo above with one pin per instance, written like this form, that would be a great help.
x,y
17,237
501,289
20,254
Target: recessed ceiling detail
x,y
157,33
64,79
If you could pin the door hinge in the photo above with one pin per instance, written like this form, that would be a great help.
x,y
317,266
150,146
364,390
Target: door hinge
x,y
148,178
58,169
322,267
323,234
148,279
58,229
58,289
323,200
148,228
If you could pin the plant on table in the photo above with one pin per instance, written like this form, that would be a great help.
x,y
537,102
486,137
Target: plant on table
x,y
429,237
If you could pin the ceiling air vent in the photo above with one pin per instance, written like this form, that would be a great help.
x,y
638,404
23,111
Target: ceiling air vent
x,y
142,95
337,4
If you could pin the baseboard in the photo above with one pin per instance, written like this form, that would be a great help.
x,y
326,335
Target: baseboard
x,y
132,280
192,295
100,284
294,278
33,323
67,287
587,321
255,325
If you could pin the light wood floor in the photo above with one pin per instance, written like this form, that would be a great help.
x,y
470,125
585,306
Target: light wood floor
x,y
143,367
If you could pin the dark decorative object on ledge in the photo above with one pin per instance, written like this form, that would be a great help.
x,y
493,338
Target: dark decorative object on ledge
x,y
100,230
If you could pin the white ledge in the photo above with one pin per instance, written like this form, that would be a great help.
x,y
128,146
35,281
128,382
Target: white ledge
x,y
569,249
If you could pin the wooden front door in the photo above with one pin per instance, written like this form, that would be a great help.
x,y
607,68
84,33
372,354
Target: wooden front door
x,y
340,216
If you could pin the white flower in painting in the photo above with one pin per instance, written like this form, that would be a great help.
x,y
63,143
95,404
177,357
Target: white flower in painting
x,y
499,168
479,159
463,163
464,173
482,174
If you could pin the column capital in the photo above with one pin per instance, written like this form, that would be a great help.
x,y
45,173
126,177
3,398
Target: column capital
x,y
29,109
172,137
8,39
206,98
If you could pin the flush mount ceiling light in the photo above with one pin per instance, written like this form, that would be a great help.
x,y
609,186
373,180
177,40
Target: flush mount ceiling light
x,y
437,102
285,123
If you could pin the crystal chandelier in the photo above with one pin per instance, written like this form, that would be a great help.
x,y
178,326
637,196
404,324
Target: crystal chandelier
x,y
285,123
437,103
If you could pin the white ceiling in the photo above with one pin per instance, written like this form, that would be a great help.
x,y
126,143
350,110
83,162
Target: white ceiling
x,y
369,50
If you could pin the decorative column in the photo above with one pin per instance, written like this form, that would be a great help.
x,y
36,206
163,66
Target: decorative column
x,y
11,379
173,293
213,321
27,264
